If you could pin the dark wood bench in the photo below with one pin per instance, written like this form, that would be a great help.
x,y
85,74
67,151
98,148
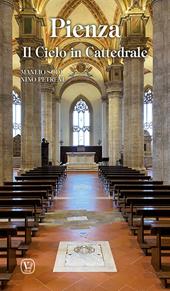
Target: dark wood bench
x,y
4,278
7,231
38,180
111,182
19,213
156,200
50,184
160,229
22,186
149,212
142,185
43,194
124,195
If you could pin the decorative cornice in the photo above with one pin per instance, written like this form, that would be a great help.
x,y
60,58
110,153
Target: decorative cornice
x,y
132,42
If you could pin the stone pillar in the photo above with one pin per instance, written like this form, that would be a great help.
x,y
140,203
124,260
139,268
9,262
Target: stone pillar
x,y
6,153
58,138
30,119
161,89
47,111
114,91
133,36
133,113
104,126
30,36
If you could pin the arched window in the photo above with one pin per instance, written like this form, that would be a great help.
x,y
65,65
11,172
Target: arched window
x,y
148,101
16,113
81,123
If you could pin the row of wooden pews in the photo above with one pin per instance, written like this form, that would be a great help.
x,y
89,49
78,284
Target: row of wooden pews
x,y
23,204
111,175
145,205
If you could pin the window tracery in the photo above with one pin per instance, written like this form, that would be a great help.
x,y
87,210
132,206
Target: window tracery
x,y
16,113
81,123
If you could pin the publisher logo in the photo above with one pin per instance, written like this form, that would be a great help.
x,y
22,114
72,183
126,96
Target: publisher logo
x,y
27,266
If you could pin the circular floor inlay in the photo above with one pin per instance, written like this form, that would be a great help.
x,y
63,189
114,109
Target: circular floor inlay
x,y
84,250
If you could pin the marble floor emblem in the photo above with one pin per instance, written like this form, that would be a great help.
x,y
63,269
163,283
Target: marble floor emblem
x,y
91,256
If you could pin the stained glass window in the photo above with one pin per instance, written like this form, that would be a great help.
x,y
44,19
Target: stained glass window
x,y
81,124
148,101
16,113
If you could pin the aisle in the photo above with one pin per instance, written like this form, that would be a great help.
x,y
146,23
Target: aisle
x,y
84,191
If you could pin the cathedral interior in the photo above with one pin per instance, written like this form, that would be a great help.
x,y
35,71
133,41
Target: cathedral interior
x,y
90,110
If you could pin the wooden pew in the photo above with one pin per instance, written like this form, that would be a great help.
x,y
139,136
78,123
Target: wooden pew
x,y
119,189
4,279
23,186
7,231
157,200
34,202
17,213
159,229
149,212
141,185
43,194
117,179
50,184
40,179
124,194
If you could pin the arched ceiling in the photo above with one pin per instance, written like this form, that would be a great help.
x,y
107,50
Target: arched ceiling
x,y
84,12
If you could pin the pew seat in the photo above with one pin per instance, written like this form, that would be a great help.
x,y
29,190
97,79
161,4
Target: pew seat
x,y
4,278
164,277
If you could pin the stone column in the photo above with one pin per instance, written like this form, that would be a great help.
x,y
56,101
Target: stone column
x,y
161,89
114,91
104,126
30,119
6,153
47,111
58,138
30,36
133,36
133,113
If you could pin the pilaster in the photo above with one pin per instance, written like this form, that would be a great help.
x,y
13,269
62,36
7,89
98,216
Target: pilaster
x,y
6,152
30,35
114,92
104,126
133,25
161,89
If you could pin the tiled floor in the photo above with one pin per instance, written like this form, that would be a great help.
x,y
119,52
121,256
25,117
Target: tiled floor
x,y
135,272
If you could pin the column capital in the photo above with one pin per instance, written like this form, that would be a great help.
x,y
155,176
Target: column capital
x,y
7,2
113,87
133,26
114,90
30,29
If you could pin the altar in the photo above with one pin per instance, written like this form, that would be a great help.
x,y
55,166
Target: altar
x,y
81,161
